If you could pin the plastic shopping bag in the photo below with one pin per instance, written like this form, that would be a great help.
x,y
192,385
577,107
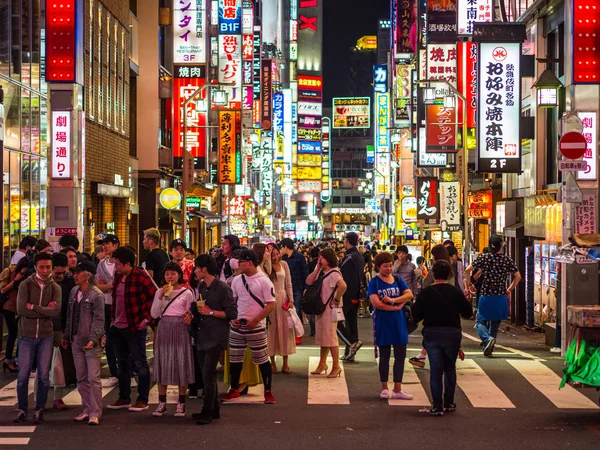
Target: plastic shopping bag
x,y
57,373
296,323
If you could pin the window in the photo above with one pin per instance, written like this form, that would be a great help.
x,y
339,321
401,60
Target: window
x,y
15,62
124,72
114,80
337,200
99,66
4,37
12,113
107,71
90,111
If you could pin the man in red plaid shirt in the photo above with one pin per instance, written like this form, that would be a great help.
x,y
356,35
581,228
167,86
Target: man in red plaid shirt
x,y
133,293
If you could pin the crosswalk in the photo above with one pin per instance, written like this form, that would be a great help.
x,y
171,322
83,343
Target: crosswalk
x,y
473,382
15,436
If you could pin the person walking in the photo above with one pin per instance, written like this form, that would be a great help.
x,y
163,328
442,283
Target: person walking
x,y
332,293
83,333
280,337
458,268
156,258
388,294
178,252
299,271
493,302
405,269
255,298
440,307
212,315
352,267
133,293
173,358
38,301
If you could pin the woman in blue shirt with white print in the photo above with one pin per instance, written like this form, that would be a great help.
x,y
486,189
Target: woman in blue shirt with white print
x,y
387,295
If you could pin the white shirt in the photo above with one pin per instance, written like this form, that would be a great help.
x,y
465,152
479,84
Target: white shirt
x,y
261,287
110,268
17,257
176,309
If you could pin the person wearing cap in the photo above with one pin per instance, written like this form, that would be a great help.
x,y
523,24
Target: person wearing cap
x,y
255,297
156,258
178,252
83,333
493,302
105,276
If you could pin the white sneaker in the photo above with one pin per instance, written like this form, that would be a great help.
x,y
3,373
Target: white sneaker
x,y
180,411
401,395
555,350
110,382
385,394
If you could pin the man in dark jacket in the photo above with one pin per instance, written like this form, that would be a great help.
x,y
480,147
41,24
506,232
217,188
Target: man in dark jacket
x,y
299,271
352,267
229,244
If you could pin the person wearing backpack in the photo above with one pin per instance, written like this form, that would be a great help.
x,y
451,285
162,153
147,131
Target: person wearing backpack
x,y
332,290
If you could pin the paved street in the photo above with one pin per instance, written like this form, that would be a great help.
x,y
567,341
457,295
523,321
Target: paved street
x,y
515,393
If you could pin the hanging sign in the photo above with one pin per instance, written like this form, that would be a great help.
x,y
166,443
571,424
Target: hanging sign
x,y
266,114
427,200
230,159
61,145
589,123
585,215
441,129
449,206
189,32
471,11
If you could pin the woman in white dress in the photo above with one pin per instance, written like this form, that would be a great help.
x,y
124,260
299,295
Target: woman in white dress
x,y
280,337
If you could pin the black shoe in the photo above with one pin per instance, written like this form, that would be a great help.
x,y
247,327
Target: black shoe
x,y
38,416
21,416
489,347
215,414
348,359
436,412
244,391
353,349
204,418
450,408
193,393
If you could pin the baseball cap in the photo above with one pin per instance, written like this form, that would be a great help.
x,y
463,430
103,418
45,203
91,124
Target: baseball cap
x,y
177,243
85,265
110,239
248,255
495,243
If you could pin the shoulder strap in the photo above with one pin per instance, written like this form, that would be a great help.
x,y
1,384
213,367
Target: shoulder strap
x,y
171,301
254,297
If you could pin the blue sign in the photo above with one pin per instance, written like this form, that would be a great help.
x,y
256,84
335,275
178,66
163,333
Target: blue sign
x,y
380,78
278,112
230,17
310,147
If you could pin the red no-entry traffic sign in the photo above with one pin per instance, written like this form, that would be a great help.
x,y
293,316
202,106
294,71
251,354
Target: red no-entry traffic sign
x,y
572,145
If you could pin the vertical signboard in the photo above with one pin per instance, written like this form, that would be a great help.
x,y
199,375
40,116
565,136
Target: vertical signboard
x,y
428,208
441,129
326,157
467,79
61,145
404,22
471,11
230,50
585,215
498,140
266,169
64,52
256,54
229,158
195,139
310,35
589,123
380,78
449,206
278,113
404,92
189,32
441,21
586,41
266,109
382,149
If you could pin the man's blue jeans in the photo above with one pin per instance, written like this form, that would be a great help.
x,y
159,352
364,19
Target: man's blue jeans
x,y
487,329
41,350
442,345
127,344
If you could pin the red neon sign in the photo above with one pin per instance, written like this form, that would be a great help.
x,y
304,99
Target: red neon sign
x,y
60,41
195,140
310,82
586,41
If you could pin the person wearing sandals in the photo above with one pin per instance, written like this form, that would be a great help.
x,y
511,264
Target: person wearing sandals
x,y
280,337
325,329
83,333
388,294
173,358
440,306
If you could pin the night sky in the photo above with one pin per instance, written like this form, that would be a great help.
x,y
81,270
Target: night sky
x,y
345,21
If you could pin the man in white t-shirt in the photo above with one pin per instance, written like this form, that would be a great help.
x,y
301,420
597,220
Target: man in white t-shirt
x,y
255,298
105,274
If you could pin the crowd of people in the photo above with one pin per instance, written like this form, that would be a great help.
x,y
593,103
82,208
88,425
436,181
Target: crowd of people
x,y
236,310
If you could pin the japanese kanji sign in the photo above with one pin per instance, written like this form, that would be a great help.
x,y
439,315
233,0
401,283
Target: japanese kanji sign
x,y
266,169
189,32
404,22
382,144
237,206
183,89
467,79
230,17
229,163
449,206
352,112
441,129
230,60
589,122
499,140
585,215
61,145
442,63
266,81
428,208
441,21
471,11
278,112
310,134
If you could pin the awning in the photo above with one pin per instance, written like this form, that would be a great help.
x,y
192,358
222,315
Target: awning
x,y
515,231
210,218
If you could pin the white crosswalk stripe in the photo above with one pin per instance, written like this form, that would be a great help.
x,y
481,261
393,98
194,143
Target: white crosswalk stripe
x,y
478,387
323,390
12,440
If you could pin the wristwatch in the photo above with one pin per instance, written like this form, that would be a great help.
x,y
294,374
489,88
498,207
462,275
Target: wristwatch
x,y
211,313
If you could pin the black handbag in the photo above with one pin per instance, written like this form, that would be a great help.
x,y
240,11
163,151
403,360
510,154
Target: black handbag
x,y
411,324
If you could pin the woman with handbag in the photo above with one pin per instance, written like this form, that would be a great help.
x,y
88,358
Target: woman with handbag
x,y
332,291
280,337
388,294
173,358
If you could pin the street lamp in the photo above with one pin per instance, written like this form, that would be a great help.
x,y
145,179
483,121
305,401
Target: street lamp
x,y
429,95
449,102
547,86
369,175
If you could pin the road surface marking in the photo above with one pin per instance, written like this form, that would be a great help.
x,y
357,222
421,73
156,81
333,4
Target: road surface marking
x,y
255,396
14,441
8,394
508,349
10,429
411,385
74,399
546,381
323,390
478,387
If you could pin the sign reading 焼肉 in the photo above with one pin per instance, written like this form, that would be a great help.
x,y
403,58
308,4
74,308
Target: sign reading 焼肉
x,y
499,140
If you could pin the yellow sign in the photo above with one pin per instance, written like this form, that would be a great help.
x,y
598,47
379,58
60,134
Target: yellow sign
x,y
307,173
170,198
367,43
309,160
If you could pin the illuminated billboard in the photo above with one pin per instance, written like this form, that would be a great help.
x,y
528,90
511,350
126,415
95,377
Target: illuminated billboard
x,y
352,112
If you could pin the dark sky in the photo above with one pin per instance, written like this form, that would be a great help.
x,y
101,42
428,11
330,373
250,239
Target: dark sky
x,y
345,21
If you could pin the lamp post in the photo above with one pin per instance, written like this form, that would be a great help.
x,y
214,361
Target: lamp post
x,y
187,157
428,98
547,86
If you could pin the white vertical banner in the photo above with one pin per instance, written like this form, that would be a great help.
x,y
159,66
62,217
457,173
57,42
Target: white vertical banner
x,y
61,145
471,11
590,125
189,33
449,206
382,146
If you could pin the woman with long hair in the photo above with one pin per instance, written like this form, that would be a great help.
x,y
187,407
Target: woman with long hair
x,y
332,291
173,358
280,337
264,257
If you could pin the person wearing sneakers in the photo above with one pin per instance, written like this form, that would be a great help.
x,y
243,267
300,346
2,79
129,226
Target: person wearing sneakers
x,y
83,333
440,306
255,296
38,301
173,357
493,303
105,275
388,293
298,271
133,293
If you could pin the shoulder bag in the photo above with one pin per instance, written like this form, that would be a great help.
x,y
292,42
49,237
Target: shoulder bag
x,y
254,297
411,325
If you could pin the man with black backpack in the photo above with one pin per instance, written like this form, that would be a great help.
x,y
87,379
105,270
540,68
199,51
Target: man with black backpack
x,y
352,267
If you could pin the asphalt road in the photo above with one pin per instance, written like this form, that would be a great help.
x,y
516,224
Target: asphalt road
x,y
537,417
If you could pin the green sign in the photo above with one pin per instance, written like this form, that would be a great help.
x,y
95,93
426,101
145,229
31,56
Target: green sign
x,y
193,202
